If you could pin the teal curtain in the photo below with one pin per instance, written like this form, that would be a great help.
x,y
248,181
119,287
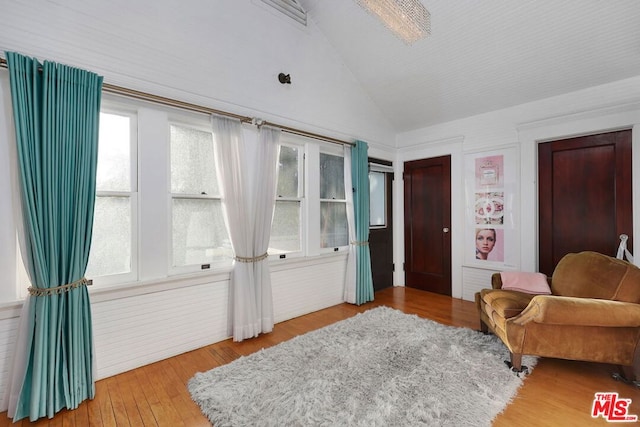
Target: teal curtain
x,y
360,182
56,112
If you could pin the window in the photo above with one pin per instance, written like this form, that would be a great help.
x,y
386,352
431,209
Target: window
x,y
112,244
158,209
377,199
199,236
334,231
286,228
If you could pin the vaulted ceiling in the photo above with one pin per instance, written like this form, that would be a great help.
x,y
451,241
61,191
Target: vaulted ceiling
x,y
483,55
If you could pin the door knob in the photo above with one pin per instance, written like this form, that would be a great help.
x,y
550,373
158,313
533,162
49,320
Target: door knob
x,y
445,230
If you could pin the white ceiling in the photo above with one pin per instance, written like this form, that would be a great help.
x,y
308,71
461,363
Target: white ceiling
x,y
483,55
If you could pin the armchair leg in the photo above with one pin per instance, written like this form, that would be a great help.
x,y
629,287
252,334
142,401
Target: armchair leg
x,y
516,361
630,374
515,364
484,328
626,375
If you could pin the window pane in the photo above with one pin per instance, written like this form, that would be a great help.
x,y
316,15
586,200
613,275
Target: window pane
x,y
192,162
111,240
288,172
331,177
377,205
114,153
334,231
199,233
285,230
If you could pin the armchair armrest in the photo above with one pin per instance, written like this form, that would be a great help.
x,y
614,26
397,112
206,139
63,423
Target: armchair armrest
x,y
558,310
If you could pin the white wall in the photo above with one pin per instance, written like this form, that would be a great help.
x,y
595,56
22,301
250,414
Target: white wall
x,y
593,110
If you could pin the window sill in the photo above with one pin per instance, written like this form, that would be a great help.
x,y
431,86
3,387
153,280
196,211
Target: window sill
x,y
126,290
102,293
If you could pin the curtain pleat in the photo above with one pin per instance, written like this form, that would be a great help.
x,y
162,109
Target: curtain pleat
x,y
56,113
265,185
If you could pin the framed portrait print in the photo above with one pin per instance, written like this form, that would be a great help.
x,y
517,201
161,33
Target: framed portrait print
x,y
491,228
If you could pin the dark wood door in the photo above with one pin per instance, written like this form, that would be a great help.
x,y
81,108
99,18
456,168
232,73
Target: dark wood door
x,y
584,187
381,241
427,219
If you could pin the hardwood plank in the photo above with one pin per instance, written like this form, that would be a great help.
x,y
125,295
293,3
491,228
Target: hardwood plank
x,y
163,409
150,396
557,392
93,409
81,415
142,404
188,409
117,405
128,401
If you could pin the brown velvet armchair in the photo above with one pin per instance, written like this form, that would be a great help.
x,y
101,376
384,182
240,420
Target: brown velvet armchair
x,y
593,314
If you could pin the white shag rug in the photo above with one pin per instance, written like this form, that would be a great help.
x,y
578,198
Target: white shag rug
x,y
379,368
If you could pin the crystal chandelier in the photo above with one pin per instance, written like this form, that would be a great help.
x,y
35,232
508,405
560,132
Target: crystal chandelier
x,y
407,19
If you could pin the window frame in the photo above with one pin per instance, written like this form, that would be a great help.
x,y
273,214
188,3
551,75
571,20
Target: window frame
x,y
384,199
331,150
115,108
302,199
218,263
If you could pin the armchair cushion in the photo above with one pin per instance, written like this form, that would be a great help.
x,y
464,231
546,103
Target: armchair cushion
x,y
530,283
505,304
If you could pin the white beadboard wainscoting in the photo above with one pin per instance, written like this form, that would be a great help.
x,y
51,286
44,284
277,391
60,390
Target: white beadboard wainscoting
x,y
137,326
8,331
474,280
308,286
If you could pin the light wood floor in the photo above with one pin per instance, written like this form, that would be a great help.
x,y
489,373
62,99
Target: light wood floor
x,y
556,393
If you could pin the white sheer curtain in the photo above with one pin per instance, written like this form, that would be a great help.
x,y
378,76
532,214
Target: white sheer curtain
x,y
248,196
19,362
264,191
350,279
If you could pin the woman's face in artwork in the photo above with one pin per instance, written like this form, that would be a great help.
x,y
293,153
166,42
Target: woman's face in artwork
x,y
485,241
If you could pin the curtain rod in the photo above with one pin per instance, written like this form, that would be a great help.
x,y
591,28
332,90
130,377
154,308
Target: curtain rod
x,y
144,96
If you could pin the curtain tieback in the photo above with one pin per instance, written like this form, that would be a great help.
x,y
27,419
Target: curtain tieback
x,y
251,259
39,292
360,243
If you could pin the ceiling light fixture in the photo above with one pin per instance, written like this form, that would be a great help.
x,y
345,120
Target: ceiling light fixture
x,y
407,19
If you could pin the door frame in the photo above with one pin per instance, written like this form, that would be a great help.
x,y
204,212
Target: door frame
x,y
385,167
453,148
569,126
437,172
